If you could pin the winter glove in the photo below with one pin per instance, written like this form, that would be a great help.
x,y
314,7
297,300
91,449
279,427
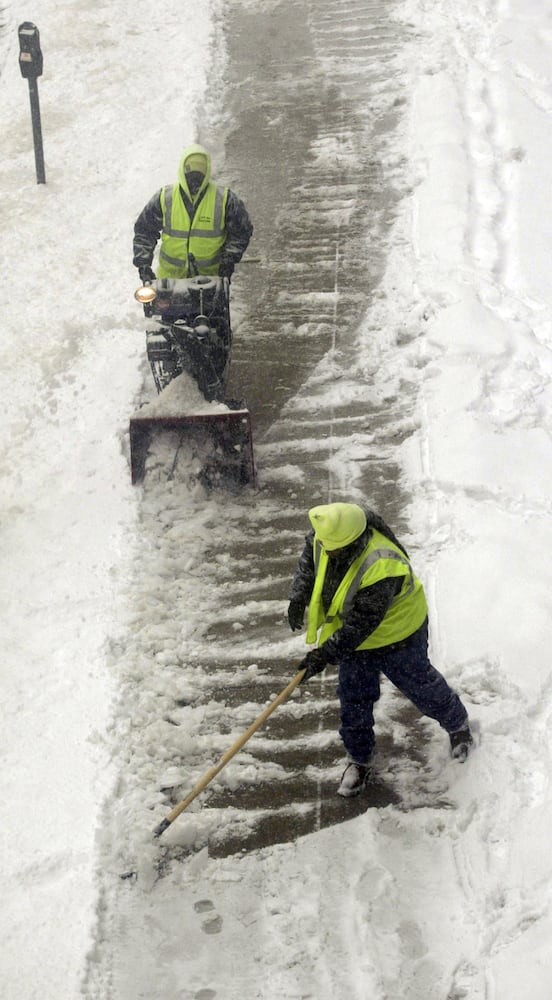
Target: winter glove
x,y
313,663
226,268
146,275
296,612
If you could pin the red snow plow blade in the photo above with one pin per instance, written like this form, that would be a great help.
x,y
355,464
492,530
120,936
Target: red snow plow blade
x,y
224,440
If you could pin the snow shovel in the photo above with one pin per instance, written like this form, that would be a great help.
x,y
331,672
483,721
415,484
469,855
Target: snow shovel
x,y
210,774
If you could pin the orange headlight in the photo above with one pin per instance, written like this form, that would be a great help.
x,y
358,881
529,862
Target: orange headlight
x,y
145,294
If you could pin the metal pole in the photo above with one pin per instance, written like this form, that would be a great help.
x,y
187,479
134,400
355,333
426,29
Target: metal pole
x,y
37,131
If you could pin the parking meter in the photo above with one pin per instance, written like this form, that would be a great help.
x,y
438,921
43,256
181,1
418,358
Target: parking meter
x,y
30,64
30,55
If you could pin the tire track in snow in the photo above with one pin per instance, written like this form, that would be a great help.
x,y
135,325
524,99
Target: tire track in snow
x,y
492,159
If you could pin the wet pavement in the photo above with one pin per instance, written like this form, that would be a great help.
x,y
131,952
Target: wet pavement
x,y
309,101
304,149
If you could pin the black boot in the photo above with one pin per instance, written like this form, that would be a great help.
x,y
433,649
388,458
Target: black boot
x,y
461,743
353,779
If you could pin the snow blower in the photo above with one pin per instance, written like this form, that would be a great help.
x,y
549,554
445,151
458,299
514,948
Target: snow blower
x,y
189,349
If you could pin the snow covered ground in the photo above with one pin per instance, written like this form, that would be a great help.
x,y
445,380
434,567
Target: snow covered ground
x,y
423,903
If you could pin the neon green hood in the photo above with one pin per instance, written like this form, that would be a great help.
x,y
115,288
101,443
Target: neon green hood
x,y
337,524
195,157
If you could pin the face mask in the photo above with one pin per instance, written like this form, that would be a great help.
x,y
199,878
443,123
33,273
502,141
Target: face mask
x,y
194,180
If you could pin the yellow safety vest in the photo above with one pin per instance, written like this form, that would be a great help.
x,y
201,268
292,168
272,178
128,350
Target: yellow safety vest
x,y
379,559
203,236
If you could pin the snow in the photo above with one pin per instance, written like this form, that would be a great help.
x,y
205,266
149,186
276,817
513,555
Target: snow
x,y
429,903
180,397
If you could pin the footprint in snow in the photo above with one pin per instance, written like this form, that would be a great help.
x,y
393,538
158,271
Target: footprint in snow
x,y
212,924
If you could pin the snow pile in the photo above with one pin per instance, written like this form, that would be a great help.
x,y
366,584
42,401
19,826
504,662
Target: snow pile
x,y
71,357
182,396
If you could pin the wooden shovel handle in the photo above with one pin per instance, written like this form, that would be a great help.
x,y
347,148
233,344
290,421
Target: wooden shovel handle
x,y
210,774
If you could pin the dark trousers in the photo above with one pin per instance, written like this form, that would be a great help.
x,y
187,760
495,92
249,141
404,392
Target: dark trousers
x,y
407,666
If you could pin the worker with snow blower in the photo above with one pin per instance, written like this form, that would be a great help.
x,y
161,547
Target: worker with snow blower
x,y
204,230
204,227
368,613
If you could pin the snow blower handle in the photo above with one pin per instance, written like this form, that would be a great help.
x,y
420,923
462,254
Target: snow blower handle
x,y
231,752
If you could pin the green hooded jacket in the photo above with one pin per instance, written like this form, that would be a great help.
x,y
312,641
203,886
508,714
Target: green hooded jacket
x,y
212,224
380,559
194,230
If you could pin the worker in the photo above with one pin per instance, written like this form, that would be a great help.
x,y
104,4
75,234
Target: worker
x,y
204,227
367,612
